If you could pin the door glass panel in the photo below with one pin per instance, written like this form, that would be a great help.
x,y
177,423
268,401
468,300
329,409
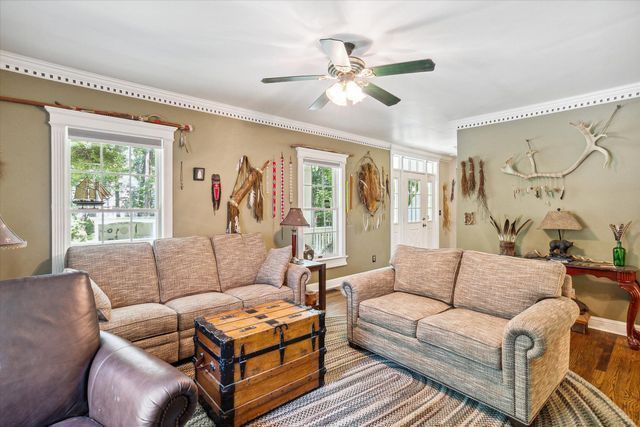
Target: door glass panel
x,y
414,213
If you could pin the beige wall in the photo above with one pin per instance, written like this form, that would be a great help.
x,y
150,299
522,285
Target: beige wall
x,y
597,196
217,144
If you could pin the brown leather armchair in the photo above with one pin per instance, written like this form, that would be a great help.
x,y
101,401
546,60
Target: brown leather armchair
x,y
56,367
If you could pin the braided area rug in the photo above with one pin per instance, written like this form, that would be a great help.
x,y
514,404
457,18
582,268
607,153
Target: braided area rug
x,y
363,389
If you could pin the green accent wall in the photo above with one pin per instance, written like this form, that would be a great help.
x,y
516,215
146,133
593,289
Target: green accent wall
x,y
597,196
217,143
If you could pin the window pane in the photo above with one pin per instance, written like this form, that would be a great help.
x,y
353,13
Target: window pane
x,y
115,158
144,225
414,209
85,156
143,161
318,219
84,227
116,226
143,192
396,161
395,201
118,187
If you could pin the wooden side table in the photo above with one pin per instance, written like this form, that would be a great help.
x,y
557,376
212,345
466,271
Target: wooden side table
x,y
321,268
626,278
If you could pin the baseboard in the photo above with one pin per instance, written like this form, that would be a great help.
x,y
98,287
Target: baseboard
x,y
607,325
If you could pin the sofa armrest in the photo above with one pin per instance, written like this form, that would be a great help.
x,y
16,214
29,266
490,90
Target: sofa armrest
x,y
297,278
128,386
535,352
364,286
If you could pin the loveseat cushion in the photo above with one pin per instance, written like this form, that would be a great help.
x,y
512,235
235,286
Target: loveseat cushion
x,y
476,336
505,286
399,311
140,321
252,295
126,272
186,266
207,304
427,272
238,258
274,267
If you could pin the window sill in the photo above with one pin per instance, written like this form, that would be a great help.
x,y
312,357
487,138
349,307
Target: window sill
x,y
333,262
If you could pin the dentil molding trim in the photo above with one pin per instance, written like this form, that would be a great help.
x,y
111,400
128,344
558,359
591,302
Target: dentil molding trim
x,y
49,71
615,94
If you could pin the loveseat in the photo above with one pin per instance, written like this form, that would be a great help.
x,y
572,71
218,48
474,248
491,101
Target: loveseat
x,y
492,327
150,294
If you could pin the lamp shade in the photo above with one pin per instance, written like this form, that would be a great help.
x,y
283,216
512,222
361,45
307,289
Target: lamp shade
x,y
295,218
9,239
560,220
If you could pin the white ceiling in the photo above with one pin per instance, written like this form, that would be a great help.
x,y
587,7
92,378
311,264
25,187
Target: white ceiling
x,y
490,56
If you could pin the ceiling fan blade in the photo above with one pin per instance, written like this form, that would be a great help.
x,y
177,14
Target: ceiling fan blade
x,y
292,78
320,102
337,52
404,67
380,94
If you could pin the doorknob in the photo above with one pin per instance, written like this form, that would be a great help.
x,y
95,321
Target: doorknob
x,y
424,225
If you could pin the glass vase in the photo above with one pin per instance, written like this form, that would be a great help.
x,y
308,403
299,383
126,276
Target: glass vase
x,y
619,254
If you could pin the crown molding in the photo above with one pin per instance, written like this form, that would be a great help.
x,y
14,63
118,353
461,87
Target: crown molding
x,y
615,94
49,71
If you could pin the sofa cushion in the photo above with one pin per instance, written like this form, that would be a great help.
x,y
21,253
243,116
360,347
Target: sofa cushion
x,y
238,258
126,272
274,267
103,304
188,308
260,293
427,272
140,321
505,286
186,266
476,336
399,311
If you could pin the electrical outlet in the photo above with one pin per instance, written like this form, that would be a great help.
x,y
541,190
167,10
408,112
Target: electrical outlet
x,y
373,258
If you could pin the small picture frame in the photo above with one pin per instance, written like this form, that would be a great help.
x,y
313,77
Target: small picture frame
x,y
198,174
469,218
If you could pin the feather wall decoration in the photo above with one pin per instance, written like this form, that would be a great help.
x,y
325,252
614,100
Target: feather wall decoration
x,y
618,232
482,193
464,184
472,177
453,187
446,214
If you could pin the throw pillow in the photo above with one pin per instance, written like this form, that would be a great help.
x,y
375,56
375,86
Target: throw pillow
x,y
275,267
103,304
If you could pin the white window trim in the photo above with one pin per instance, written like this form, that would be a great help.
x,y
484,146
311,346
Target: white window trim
x,y
340,160
61,120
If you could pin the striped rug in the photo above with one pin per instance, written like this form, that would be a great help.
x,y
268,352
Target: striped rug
x,y
363,389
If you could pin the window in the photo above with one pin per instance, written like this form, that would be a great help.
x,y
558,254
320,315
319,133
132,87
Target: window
x,y
111,181
127,176
396,204
414,213
321,197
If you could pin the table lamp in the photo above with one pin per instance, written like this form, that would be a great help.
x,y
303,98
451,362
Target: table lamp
x,y
9,239
560,220
294,219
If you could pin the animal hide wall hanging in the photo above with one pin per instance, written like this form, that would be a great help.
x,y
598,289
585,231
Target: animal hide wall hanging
x,y
471,181
464,184
248,182
371,191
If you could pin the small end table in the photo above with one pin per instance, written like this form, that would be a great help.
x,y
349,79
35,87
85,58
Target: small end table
x,y
321,268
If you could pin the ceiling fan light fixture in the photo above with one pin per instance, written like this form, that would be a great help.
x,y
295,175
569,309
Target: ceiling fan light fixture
x,y
345,93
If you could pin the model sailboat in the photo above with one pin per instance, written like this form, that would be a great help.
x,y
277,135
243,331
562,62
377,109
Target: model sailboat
x,y
90,193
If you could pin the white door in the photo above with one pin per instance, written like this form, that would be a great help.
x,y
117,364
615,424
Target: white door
x,y
413,213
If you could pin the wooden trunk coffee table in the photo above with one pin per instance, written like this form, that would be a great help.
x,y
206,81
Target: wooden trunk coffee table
x,y
252,360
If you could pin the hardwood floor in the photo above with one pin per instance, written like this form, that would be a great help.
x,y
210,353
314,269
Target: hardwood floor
x,y
601,358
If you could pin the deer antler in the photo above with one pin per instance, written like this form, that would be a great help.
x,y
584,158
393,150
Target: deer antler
x,y
591,138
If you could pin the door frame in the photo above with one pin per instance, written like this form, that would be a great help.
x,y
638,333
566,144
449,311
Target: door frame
x,y
399,174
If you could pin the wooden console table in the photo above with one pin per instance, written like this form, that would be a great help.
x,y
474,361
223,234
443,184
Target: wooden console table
x,y
626,277
321,268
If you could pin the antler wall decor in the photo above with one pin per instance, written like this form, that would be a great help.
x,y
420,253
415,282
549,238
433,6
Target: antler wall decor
x,y
591,137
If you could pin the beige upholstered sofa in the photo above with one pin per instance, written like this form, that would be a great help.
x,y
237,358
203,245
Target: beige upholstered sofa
x,y
156,291
494,328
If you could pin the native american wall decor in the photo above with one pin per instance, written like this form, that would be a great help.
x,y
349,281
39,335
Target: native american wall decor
x,y
446,213
248,182
216,192
371,192
591,137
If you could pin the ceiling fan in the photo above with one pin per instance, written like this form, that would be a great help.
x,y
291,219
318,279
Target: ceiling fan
x,y
353,76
